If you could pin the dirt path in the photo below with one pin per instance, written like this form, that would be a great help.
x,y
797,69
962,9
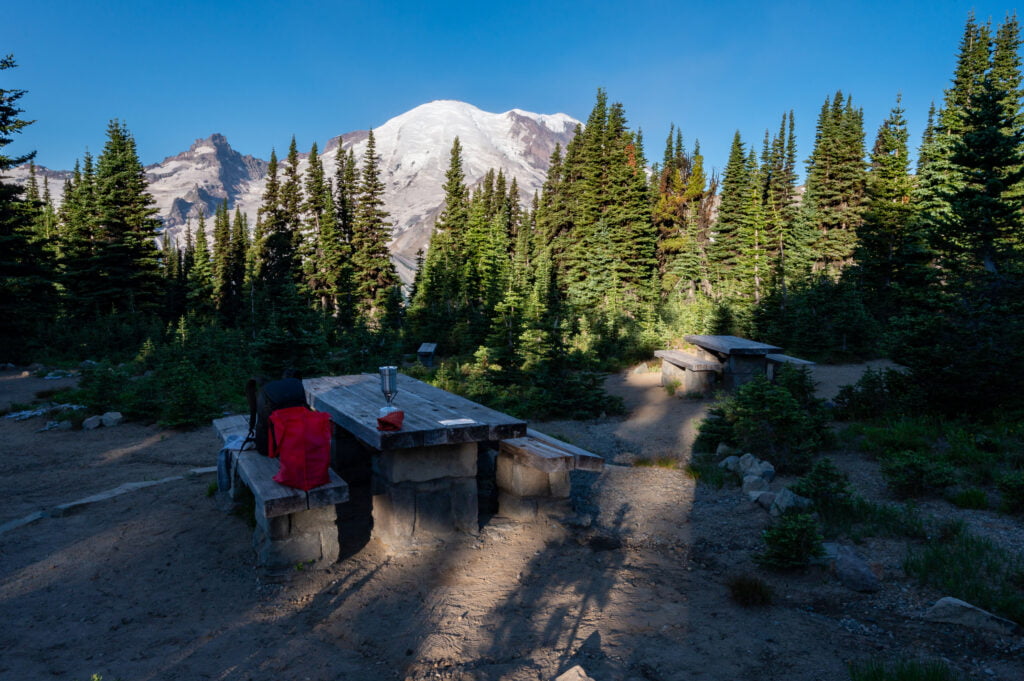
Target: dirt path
x,y
159,584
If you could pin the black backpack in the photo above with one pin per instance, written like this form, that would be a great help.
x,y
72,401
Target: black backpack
x,y
265,399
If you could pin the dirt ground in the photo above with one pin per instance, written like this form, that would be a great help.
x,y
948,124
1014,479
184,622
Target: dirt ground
x,y
158,583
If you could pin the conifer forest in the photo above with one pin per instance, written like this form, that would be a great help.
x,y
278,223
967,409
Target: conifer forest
x,y
629,246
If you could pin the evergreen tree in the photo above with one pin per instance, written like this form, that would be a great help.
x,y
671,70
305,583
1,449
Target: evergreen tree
x,y
238,274
201,273
887,245
378,296
836,176
971,190
346,181
26,289
126,259
276,248
735,185
438,302
220,263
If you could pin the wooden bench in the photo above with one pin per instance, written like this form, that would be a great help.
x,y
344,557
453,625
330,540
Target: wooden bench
x,y
292,526
777,361
693,374
533,475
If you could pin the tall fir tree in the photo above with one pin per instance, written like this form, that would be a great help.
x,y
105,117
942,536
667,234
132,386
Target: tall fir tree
x,y
201,273
438,302
26,283
220,265
836,176
126,258
377,291
888,247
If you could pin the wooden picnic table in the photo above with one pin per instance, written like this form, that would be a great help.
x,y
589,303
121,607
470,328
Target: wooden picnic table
x,y
433,416
424,475
742,359
732,345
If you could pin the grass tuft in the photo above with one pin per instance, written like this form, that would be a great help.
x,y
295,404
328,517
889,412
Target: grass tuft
x,y
902,670
750,591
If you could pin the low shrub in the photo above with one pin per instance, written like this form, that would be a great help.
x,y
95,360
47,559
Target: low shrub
x,y
912,473
972,569
767,420
878,393
704,468
1011,487
976,452
825,485
791,543
833,497
908,434
970,497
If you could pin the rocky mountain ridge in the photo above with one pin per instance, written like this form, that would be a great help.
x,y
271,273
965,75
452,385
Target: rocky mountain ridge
x,y
414,150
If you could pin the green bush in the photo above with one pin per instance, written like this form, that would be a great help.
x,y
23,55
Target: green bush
x,y
971,497
1011,487
878,393
768,421
913,473
907,434
704,468
791,543
830,490
976,452
825,485
192,377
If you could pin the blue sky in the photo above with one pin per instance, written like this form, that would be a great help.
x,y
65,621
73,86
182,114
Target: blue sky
x,y
261,71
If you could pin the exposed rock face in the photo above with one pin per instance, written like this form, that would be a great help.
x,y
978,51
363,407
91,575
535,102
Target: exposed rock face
x,y
201,178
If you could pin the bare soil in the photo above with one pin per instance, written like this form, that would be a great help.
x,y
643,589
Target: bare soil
x,y
158,583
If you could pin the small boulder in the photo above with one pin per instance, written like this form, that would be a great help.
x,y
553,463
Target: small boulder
x,y
576,673
954,611
765,500
786,500
747,461
725,450
853,572
92,423
762,469
730,463
112,418
754,483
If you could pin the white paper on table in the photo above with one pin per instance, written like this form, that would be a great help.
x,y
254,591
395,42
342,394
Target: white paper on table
x,y
456,422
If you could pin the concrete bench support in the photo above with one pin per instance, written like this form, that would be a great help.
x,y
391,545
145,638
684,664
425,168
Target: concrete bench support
x,y
424,495
533,475
292,526
693,374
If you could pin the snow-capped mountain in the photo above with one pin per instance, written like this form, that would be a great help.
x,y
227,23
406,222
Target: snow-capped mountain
x,y
414,150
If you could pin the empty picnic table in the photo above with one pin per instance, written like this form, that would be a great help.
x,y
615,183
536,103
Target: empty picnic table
x,y
425,473
742,359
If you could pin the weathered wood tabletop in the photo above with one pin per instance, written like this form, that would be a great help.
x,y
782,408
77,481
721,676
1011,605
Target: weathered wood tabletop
x,y
732,345
432,416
